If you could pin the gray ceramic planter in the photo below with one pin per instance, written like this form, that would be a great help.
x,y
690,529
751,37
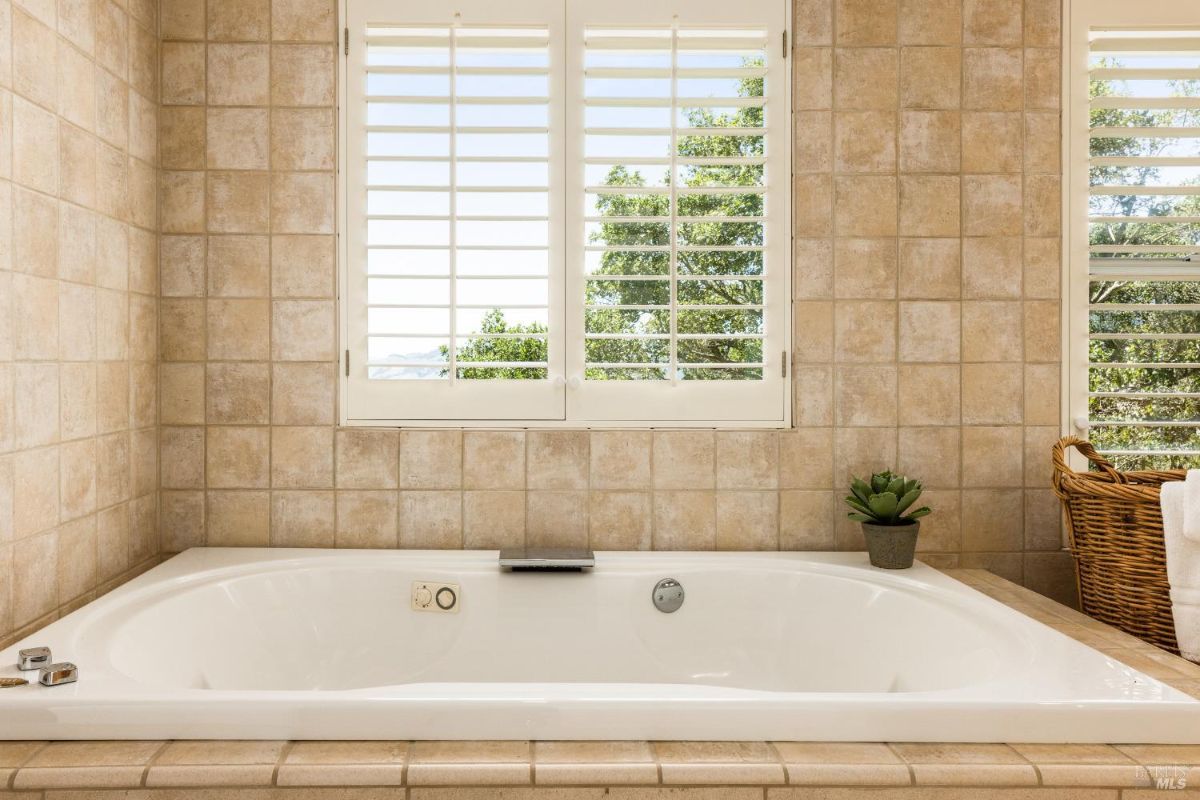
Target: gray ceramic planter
x,y
891,546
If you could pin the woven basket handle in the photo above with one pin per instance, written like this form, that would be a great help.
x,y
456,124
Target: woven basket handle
x,y
1061,469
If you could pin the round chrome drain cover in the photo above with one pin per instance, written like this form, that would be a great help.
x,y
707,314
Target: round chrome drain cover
x,y
668,595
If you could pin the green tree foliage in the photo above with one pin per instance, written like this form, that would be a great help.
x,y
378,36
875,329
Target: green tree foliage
x,y
510,349
719,275
1149,380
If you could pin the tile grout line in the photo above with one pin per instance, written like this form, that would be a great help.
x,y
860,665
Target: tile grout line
x,y
203,302
962,207
1024,303
12,780
284,752
270,287
897,143
158,281
152,761
787,773
406,765
912,773
831,394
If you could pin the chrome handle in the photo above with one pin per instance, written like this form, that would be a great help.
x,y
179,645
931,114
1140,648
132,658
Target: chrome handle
x,y
58,674
33,658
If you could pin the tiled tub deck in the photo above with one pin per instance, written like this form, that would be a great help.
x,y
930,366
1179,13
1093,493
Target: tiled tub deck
x,y
633,770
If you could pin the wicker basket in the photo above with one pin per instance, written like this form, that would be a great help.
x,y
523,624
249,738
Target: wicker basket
x,y
1117,540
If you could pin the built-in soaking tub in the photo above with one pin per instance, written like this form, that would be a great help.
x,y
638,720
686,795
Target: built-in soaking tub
x,y
318,644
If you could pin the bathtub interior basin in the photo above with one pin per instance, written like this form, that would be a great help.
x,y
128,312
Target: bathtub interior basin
x,y
333,627
312,644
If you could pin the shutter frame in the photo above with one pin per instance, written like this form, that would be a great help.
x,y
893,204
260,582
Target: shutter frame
x,y
363,404
764,402
436,400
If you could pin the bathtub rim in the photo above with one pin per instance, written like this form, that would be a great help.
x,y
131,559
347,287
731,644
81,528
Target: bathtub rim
x,y
1178,710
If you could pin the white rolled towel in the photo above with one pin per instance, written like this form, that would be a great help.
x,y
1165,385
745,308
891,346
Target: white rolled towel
x,y
1183,564
1185,608
1191,505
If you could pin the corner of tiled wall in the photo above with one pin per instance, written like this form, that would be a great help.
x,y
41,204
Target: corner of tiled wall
x,y
78,302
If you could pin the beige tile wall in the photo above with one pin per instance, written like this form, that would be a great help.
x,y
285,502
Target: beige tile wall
x,y
248,343
927,261
78,301
926,288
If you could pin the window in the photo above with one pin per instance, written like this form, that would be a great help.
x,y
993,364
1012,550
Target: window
x,y
566,212
1134,222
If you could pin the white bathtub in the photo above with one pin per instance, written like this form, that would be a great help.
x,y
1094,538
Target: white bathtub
x,y
317,644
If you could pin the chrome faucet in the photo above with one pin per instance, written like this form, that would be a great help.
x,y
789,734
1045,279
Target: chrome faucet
x,y
546,559
58,674
49,672
32,658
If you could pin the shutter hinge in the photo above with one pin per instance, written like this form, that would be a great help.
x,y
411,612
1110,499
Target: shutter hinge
x,y
346,40
785,53
783,364
347,363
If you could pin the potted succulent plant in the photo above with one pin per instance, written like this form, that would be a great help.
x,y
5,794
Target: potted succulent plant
x,y
880,506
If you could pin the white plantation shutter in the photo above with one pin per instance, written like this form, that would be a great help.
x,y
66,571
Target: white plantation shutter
x,y
1135,230
454,156
566,211
681,254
